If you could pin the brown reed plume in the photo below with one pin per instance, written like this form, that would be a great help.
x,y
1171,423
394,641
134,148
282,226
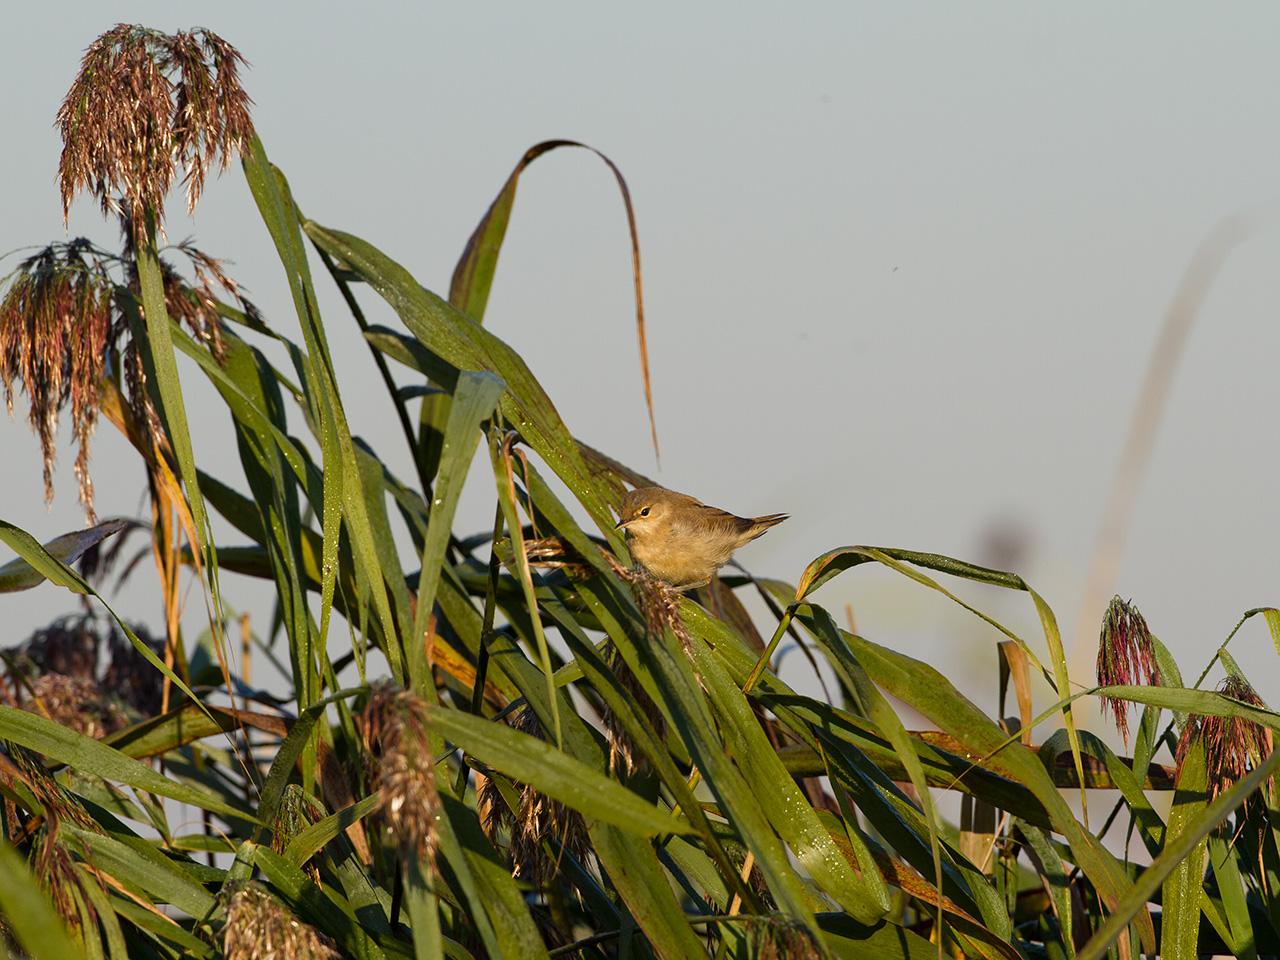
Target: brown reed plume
x,y
623,753
56,323
260,927
143,101
51,860
403,769
58,672
537,817
64,327
777,938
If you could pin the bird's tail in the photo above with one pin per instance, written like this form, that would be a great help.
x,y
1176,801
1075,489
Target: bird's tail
x,y
760,524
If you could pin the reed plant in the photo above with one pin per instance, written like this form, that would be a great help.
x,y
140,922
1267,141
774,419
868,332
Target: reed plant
x,y
561,758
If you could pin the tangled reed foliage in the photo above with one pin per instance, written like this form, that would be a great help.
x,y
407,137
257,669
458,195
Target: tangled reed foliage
x,y
623,754
260,927
143,100
1126,656
537,817
403,769
298,810
64,326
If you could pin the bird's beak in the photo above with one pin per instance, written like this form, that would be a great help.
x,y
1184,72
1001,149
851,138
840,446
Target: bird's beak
x,y
620,524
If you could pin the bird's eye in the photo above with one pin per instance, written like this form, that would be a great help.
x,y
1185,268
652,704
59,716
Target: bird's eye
x,y
644,512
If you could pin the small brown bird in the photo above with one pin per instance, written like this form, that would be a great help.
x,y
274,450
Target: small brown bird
x,y
681,540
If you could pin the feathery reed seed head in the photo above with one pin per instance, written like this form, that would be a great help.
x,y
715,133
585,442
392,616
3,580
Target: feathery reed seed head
x,y
783,939
129,676
142,102
395,736
63,320
56,323
537,817
540,816
260,927
624,756
57,871
77,703
1234,745
1126,656
57,671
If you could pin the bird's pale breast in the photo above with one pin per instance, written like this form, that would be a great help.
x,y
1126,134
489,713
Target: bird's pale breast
x,y
685,554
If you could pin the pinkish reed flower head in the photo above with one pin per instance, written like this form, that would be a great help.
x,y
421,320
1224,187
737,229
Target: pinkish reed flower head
x,y
1233,745
1126,657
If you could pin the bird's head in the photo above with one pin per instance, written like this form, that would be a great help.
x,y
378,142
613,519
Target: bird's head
x,y
643,509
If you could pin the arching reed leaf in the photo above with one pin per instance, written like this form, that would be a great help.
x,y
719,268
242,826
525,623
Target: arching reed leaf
x,y
833,562
473,275
20,574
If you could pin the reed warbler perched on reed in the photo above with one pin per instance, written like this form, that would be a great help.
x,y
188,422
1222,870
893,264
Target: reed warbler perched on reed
x,y
682,541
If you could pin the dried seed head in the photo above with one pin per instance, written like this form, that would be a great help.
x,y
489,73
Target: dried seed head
x,y
657,600
129,676
49,857
56,868
778,938
63,318
623,754
142,101
1126,656
56,801
495,816
67,646
395,737
538,818
76,703
556,553
56,673
260,927
55,326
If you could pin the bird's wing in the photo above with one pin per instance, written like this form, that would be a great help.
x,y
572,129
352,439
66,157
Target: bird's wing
x,y
715,521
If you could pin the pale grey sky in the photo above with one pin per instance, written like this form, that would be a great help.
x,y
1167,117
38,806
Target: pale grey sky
x,y
904,265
